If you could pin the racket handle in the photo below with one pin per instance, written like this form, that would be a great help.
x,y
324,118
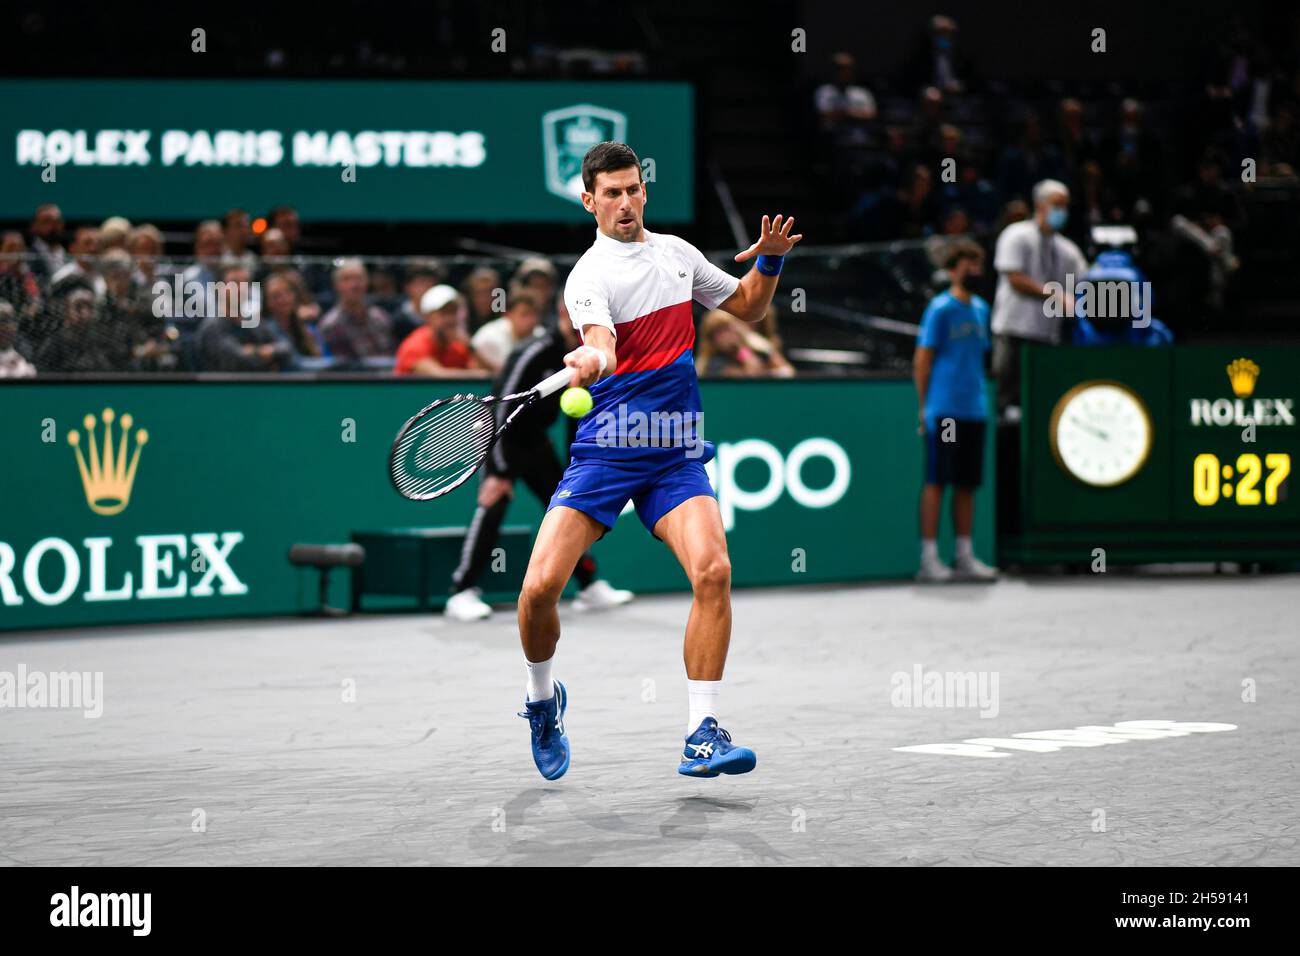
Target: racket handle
x,y
553,383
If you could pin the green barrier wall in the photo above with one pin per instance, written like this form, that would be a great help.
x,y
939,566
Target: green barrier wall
x,y
817,481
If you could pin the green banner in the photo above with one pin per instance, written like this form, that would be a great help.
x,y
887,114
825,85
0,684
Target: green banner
x,y
337,150
152,501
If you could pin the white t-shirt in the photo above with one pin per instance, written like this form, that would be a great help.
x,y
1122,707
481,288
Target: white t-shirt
x,y
13,365
494,342
617,284
1023,247
854,99
642,292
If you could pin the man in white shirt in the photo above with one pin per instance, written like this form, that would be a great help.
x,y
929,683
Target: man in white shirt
x,y
630,298
1029,256
494,342
844,107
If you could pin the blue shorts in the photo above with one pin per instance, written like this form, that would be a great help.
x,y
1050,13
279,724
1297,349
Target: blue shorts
x,y
601,488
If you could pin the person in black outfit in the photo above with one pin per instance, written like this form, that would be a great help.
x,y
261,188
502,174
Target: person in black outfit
x,y
524,453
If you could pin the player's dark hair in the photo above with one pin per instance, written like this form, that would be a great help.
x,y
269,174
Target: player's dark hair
x,y
607,157
962,249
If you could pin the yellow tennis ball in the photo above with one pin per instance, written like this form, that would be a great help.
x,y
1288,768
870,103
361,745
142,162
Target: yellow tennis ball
x,y
575,402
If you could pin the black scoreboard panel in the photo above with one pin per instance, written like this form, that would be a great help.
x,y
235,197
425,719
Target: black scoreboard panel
x,y
1213,479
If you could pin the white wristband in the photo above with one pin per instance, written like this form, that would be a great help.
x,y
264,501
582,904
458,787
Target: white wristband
x,y
599,354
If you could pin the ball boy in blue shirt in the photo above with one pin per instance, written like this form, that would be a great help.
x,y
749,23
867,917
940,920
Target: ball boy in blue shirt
x,y
948,370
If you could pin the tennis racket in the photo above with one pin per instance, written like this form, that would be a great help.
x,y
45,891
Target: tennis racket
x,y
446,442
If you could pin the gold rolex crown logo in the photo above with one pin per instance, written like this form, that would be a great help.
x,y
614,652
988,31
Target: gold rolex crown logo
x,y
1242,374
107,477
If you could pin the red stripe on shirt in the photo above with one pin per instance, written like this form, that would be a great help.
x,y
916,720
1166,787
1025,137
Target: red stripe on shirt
x,y
654,340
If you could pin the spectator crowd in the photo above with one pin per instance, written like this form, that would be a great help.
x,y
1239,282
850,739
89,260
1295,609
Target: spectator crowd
x,y
109,298
942,154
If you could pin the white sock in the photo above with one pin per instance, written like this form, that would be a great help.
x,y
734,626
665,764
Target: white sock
x,y
702,697
540,685
929,550
964,547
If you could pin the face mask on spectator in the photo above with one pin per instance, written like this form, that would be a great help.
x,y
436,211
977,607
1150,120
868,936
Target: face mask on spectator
x,y
1057,218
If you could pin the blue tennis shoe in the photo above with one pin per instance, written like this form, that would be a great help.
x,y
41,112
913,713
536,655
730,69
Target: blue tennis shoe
x,y
710,752
550,745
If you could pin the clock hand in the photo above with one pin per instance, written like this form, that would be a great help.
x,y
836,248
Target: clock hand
x,y
1091,428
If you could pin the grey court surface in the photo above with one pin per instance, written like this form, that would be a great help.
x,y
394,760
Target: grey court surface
x,y
247,723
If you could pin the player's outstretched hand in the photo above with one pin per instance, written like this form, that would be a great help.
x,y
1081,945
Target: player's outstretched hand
x,y
774,239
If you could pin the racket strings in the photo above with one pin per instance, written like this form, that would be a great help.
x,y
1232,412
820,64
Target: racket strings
x,y
442,449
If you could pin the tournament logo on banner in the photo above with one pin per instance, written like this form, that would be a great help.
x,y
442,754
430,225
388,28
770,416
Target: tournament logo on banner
x,y
567,134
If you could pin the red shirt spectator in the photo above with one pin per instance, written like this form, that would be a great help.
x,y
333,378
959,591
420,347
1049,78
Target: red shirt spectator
x,y
439,348
423,344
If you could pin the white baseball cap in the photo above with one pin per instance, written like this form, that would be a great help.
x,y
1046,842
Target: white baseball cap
x,y
438,298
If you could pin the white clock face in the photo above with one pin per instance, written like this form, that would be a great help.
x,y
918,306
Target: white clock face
x,y
1101,433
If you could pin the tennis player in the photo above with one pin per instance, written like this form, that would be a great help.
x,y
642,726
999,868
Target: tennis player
x,y
630,298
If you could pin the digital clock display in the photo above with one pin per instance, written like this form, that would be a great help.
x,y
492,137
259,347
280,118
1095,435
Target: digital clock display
x,y
1250,481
